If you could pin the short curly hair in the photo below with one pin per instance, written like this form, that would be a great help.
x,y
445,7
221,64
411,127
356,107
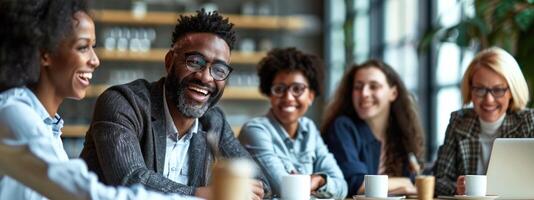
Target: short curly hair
x,y
205,22
29,27
290,60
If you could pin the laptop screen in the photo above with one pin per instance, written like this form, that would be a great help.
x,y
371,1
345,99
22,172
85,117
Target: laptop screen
x,y
511,168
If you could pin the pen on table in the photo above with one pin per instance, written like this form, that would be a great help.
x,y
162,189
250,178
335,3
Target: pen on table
x,y
414,163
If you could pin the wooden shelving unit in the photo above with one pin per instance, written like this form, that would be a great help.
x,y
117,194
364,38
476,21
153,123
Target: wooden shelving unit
x,y
158,55
230,93
169,18
80,130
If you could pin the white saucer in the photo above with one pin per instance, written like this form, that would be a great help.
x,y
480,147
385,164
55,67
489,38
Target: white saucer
x,y
363,197
464,197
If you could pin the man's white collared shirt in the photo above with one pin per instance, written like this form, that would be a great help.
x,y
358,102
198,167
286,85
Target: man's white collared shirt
x,y
176,166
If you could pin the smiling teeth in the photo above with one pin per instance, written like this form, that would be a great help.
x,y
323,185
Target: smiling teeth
x,y
366,104
86,75
289,109
203,91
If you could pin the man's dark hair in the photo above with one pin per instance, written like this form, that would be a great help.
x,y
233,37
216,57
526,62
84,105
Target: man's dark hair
x,y
290,60
205,22
30,27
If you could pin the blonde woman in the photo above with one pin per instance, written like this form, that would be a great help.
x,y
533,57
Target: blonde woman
x,y
494,84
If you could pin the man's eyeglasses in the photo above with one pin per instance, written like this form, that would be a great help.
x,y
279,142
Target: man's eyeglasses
x,y
295,89
219,71
483,91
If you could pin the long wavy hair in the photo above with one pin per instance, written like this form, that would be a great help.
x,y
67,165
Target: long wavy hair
x,y
404,131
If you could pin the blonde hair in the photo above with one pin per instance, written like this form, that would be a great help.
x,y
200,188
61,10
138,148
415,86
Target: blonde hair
x,y
503,64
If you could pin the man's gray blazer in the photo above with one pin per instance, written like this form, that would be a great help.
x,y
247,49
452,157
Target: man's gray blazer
x,y
126,141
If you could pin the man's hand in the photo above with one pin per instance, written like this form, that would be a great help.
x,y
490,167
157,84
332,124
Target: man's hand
x,y
317,181
257,189
203,192
460,185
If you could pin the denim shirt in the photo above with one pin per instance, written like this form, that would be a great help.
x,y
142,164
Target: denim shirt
x,y
30,141
269,144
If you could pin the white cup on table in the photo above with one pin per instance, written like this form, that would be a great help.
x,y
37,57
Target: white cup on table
x,y
376,186
475,185
295,187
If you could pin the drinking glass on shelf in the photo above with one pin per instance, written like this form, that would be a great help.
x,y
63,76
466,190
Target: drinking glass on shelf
x,y
247,45
122,42
144,42
248,8
264,9
135,41
110,38
139,9
265,44
210,6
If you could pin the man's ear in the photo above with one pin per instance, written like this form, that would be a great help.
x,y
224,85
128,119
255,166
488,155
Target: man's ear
x,y
45,59
169,61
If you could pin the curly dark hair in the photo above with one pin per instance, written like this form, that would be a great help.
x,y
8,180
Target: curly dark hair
x,y
290,60
28,28
205,22
404,131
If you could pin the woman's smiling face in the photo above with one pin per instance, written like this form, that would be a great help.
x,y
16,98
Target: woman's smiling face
x,y
288,108
489,107
71,67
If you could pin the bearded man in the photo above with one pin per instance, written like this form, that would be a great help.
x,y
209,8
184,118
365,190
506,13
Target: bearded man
x,y
165,135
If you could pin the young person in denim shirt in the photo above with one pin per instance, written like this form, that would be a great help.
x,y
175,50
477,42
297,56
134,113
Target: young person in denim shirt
x,y
283,141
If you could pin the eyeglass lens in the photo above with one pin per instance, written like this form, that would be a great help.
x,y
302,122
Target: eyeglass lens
x,y
496,92
219,71
295,89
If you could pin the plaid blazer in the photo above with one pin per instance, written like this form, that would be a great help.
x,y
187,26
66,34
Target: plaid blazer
x,y
459,153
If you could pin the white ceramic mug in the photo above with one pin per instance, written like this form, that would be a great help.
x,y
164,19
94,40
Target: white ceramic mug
x,y
475,185
296,187
376,186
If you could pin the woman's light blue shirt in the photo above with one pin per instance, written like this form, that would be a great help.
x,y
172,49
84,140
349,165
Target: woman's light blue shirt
x,y
29,136
269,144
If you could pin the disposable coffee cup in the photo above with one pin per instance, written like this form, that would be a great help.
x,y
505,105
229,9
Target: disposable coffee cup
x,y
232,179
425,187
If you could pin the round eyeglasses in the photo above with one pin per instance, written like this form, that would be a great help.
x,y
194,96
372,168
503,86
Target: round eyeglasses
x,y
483,91
218,70
295,89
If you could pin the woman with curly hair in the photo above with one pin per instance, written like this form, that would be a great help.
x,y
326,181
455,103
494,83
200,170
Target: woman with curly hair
x,y
283,141
46,56
372,125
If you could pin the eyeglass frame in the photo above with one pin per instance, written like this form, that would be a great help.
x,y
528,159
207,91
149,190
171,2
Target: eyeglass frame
x,y
193,69
487,90
290,88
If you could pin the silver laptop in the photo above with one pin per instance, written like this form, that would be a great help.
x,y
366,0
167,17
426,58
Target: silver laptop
x,y
511,168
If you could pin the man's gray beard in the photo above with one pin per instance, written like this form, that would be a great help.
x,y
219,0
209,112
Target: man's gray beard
x,y
188,109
